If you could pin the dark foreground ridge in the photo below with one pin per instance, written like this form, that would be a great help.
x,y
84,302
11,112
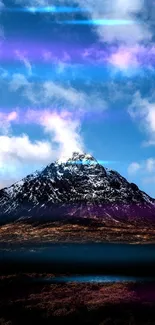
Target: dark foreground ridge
x,y
79,190
29,302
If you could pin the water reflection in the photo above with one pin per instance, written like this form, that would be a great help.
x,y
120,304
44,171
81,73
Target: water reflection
x,y
96,279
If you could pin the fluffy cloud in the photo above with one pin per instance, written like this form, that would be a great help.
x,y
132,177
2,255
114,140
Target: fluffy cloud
x,y
19,155
149,177
5,121
150,165
27,89
23,150
70,95
66,132
133,168
63,129
19,81
57,95
3,73
22,57
109,9
1,4
145,168
60,65
73,99
127,10
125,60
143,111
132,59
61,122
149,143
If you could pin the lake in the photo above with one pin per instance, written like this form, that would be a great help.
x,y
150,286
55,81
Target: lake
x,y
112,259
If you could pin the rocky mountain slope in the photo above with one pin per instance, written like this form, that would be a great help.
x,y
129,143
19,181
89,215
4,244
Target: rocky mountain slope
x,y
77,190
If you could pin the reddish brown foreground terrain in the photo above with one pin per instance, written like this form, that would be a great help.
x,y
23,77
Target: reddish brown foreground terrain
x,y
55,232
25,303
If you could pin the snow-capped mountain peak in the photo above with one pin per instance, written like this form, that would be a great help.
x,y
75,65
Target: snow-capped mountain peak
x,y
78,158
78,187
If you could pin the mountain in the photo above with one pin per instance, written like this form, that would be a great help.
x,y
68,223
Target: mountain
x,y
76,190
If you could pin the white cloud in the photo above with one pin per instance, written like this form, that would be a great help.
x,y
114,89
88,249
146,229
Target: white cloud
x,y
1,5
146,168
63,129
118,9
150,165
28,89
25,60
58,95
133,168
66,132
143,171
109,9
149,143
3,73
132,59
19,155
143,111
18,81
71,98
70,94
23,150
124,59
60,65
5,121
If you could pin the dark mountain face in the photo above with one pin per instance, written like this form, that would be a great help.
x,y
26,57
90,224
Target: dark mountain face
x,y
78,189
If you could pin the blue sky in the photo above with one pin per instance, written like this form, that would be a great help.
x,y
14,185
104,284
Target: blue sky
x,y
66,87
